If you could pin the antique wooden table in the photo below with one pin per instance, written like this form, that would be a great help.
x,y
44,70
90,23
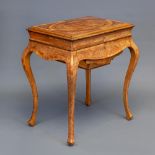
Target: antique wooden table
x,y
87,42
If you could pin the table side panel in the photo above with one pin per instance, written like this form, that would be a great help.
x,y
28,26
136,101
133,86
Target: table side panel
x,y
100,39
106,50
48,52
50,40
80,43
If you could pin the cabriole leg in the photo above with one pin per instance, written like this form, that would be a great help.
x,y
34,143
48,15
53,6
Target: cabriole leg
x,y
133,61
28,71
72,67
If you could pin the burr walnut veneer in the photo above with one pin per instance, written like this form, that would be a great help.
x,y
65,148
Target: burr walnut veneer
x,y
88,43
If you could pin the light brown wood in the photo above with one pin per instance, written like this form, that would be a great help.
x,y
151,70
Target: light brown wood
x,y
79,28
87,43
72,66
26,65
133,61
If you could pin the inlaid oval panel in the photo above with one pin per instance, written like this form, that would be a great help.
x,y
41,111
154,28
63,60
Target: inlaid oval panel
x,y
78,28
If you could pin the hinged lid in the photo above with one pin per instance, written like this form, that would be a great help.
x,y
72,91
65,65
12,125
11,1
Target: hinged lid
x,y
78,28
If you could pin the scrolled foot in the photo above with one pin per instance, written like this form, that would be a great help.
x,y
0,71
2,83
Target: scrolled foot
x,y
87,103
32,121
129,116
70,142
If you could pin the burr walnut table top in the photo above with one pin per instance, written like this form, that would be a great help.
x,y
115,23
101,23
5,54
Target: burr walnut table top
x,y
78,28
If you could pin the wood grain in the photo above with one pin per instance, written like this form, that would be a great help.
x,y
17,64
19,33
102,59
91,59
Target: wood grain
x,y
88,87
134,51
78,28
27,68
72,66
88,43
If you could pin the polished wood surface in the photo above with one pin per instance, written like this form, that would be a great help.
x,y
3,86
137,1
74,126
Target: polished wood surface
x,y
88,87
79,28
86,42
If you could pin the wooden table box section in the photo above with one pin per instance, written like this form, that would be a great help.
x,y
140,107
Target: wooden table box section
x,y
86,42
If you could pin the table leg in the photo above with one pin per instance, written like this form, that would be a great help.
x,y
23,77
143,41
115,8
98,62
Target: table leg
x,y
72,67
27,68
88,87
133,61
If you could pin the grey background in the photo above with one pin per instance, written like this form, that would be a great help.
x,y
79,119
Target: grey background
x,y
100,128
